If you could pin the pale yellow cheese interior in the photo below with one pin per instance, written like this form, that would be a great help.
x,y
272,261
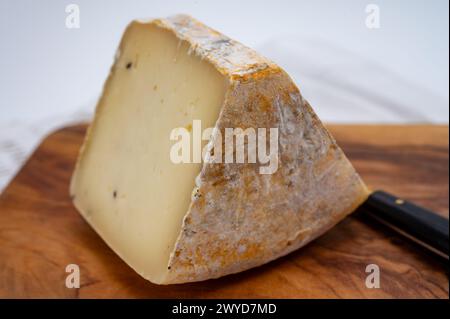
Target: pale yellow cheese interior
x,y
126,185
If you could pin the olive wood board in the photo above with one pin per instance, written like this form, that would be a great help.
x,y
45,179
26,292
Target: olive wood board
x,y
41,232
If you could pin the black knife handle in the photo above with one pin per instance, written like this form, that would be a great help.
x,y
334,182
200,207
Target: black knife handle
x,y
422,225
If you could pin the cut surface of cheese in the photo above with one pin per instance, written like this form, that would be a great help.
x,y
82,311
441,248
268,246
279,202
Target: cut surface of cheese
x,y
127,183
167,74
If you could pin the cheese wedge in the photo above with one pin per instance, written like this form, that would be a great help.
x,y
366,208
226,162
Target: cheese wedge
x,y
176,223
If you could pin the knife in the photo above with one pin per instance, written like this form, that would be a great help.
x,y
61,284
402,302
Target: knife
x,y
419,224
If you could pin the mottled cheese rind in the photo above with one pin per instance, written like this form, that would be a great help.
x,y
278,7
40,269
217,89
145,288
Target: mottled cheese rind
x,y
239,218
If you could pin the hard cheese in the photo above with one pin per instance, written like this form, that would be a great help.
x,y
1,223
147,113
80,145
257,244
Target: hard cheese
x,y
176,223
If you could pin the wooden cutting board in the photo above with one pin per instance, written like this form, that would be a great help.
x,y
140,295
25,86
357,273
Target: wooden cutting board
x,y
41,232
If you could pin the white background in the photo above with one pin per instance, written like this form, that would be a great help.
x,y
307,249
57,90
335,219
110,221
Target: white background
x,y
51,75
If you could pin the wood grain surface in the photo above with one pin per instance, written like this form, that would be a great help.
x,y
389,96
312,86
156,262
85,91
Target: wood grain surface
x,y
41,232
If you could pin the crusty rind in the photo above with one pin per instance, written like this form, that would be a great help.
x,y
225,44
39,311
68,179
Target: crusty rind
x,y
239,218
